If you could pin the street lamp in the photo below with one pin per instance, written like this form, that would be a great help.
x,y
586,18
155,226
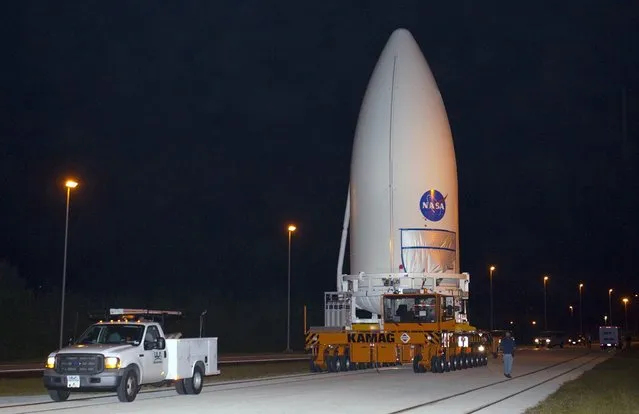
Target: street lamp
x,y
581,311
492,269
610,304
291,229
625,309
571,311
606,320
545,313
69,184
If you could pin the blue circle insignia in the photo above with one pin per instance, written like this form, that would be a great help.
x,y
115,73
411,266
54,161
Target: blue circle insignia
x,y
433,205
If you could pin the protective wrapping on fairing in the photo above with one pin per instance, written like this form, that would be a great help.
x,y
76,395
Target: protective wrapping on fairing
x,y
428,250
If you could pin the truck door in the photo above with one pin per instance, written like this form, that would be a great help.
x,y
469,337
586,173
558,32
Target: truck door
x,y
154,357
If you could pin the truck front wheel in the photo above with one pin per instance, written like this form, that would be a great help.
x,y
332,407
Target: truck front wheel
x,y
128,388
59,395
194,384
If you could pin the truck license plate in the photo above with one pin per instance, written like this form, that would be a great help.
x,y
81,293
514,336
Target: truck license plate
x,y
73,381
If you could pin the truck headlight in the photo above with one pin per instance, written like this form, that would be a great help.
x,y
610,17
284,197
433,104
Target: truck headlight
x,y
481,348
111,363
50,362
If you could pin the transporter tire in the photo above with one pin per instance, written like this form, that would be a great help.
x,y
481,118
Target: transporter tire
x,y
59,395
328,359
465,361
474,360
434,364
337,364
345,360
416,360
194,384
441,364
448,365
453,367
129,386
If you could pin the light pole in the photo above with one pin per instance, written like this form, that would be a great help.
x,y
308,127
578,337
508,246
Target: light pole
x,y
545,313
571,311
625,309
69,184
610,305
581,311
606,320
291,229
492,269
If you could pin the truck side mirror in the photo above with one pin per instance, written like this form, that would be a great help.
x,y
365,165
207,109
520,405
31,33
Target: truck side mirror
x,y
161,343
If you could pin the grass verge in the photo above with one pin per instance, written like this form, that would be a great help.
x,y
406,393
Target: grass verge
x,y
33,386
610,387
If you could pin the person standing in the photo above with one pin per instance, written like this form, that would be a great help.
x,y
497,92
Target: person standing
x,y
508,349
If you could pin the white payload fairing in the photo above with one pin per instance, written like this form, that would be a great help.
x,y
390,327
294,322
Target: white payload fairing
x,y
402,201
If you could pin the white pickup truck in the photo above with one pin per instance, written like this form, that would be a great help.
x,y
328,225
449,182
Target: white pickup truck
x,y
122,355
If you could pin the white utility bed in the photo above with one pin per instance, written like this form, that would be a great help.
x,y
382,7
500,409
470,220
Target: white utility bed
x,y
184,353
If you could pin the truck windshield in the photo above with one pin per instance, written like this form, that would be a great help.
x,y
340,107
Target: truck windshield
x,y
112,334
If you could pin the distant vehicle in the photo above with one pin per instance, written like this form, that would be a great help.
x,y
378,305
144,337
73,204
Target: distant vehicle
x,y
609,337
577,340
124,354
550,339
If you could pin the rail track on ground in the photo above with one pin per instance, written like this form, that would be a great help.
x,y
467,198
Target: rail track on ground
x,y
432,403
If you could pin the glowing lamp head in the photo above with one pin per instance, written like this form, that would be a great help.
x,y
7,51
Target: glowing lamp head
x,y
546,278
492,268
292,228
625,300
71,184
609,291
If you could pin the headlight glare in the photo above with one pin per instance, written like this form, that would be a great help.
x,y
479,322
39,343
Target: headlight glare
x,y
111,363
50,362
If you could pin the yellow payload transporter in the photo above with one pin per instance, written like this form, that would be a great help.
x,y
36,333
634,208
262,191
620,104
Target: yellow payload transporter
x,y
418,327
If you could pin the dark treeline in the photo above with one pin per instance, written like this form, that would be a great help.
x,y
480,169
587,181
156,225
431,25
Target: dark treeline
x,y
251,321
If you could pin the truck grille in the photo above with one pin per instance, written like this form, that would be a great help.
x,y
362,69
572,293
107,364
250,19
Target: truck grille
x,y
80,364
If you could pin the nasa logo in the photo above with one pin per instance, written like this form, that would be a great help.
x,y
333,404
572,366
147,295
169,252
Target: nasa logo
x,y
433,205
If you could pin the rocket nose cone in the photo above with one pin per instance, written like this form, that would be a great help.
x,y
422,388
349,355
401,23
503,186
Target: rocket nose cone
x,y
401,33
400,38
401,45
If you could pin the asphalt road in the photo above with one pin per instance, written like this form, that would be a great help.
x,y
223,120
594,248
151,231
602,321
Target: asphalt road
x,y
536,374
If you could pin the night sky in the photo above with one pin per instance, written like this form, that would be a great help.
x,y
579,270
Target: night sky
x,y
199,130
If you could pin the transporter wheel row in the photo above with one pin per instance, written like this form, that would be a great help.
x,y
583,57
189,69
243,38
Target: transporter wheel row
x,y
343,363
439,364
